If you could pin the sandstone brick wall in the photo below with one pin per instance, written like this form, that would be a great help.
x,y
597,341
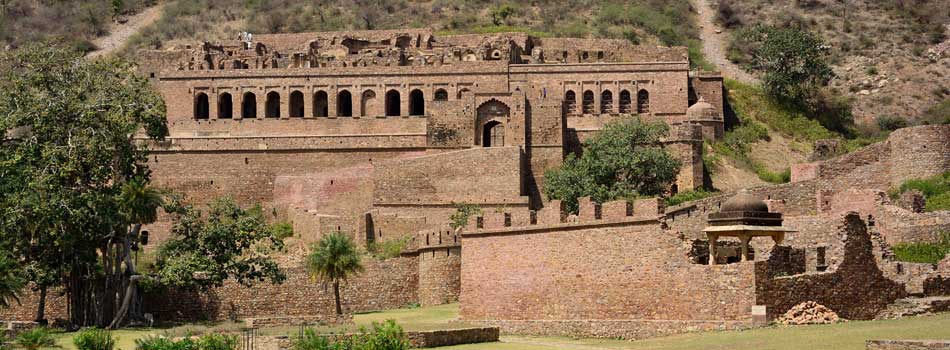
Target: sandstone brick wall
x,y
855,287
385,284
439,271
919,152
908,344
480,175
629,280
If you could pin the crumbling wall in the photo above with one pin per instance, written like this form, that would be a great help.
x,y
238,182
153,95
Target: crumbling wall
x,y
855,288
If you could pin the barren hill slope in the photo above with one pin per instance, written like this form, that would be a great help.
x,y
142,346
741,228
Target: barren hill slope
x,y
891,57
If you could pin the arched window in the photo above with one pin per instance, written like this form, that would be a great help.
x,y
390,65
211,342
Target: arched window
x,y
392,103
272,108
570,102
225,106
201,106
344,104
493,134
368,104
320,104
417,103
606,102
441,95
625,102
643,102
588,103
296,104
249,105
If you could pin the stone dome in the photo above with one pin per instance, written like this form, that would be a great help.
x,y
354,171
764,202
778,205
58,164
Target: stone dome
x,y
744,202
702,110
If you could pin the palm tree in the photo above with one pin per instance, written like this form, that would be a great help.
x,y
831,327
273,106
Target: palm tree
x,y
334,259
11,281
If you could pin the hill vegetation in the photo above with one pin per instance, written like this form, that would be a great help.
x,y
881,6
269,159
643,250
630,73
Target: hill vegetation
x,y
885,54
74,22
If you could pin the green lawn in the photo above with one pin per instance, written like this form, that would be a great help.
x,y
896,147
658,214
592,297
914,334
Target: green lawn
x,y
848,335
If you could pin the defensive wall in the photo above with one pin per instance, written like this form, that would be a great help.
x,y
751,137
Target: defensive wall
x,y
620,270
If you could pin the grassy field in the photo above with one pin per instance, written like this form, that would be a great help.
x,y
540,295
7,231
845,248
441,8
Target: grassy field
x,y
843,336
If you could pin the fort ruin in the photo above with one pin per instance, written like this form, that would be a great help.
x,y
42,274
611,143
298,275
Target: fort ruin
x,y
381,134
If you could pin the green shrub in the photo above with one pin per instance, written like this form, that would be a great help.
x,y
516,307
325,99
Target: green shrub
x,y
217,342
891,123
936,189
283,229
767,175
383,336
35,338
462,213
388,249
209,341
94,339
924,252
688,196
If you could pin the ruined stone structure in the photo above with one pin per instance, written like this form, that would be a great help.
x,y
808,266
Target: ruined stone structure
x,y
382,134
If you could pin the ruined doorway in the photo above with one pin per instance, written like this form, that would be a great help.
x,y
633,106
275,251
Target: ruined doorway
x,y
643,102
272,108
392,103
344,104
570,102
625,102
368,103
417,103
201,106
492,116
225,106
249,106
296,104
320,104
493,134
587,105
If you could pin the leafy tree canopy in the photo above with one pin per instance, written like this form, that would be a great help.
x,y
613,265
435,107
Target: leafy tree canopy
x,y
228,243
11,280
625,160
792,60
67,130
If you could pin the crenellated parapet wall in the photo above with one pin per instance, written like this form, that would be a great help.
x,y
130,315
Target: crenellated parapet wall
x,y
554,215
440,265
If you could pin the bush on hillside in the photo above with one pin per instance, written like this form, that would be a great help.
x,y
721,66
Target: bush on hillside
x,y
891,123
689,196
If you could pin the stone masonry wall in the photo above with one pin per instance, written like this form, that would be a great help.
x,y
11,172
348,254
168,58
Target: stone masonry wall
x,y
384,284
613,278
855,288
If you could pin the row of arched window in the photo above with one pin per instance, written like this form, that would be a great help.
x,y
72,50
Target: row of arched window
x,y
320,104
624,102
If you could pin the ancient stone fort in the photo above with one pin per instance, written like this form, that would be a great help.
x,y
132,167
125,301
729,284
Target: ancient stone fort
x,y
382,134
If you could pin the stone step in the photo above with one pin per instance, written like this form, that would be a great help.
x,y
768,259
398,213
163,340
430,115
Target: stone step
x,y
915,307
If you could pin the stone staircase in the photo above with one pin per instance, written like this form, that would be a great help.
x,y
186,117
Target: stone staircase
x,y
915,306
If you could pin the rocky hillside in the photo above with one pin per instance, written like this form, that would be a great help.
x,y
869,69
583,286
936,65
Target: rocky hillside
x,y
78,23
892,57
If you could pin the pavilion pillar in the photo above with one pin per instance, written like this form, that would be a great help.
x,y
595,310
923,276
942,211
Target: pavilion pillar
x,y
712,249
745,247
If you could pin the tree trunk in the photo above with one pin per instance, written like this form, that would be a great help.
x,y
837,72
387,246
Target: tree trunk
x,y
41,307
128,275
336,294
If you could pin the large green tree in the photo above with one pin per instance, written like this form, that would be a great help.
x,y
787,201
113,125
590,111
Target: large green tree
x,y
792,61
334,259
626,159
227,243
12,280
68,148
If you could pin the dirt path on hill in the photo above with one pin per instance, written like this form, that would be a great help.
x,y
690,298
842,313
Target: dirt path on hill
x,y
714,45
120,33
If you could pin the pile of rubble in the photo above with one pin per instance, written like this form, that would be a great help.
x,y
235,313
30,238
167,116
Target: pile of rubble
x,y
808,312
